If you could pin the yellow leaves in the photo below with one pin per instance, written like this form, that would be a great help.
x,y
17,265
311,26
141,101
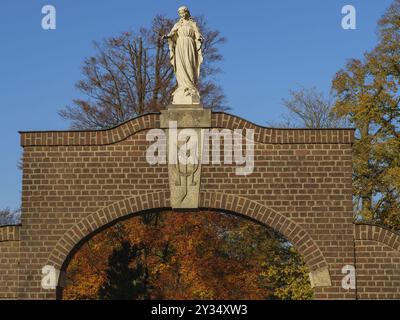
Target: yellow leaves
x,y
159,268
393,177
201,255
295,279
367,94
203,294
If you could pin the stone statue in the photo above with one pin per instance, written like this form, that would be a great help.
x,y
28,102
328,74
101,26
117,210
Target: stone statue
x,y
184,42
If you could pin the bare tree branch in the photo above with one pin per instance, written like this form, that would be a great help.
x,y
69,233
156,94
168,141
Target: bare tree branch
x,y
131,74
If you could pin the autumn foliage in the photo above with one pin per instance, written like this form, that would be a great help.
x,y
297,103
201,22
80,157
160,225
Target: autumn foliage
x,y
191,255
367,94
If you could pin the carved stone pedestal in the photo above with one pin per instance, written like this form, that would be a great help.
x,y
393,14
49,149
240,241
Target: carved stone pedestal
x,y
185,144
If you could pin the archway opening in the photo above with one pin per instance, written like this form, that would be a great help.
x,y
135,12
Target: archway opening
x,y
186,255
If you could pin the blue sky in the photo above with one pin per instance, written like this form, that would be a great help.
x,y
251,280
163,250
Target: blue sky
x,y
273,46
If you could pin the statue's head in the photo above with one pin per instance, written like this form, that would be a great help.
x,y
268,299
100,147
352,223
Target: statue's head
x,y
184,12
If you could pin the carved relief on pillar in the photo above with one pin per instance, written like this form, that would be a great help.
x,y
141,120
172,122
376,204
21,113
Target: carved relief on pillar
x,y
185,144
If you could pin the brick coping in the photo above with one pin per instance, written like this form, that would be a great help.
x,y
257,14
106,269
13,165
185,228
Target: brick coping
x,y
152,121
9,232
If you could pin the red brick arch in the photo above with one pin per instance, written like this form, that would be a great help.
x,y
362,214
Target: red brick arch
x,y
377,259
103,217
305,245
377,233
292,231
74,183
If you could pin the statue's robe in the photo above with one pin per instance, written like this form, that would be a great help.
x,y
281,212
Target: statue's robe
x,y
186,56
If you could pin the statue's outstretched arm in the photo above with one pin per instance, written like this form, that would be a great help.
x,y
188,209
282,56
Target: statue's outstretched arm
x,y
173,31
171,34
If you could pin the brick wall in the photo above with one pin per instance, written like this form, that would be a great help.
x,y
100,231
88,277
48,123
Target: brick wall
x,y
67,176
9,261
377,262
77,182
305,176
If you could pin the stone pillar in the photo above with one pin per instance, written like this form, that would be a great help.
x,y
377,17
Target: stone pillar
x,y
184,124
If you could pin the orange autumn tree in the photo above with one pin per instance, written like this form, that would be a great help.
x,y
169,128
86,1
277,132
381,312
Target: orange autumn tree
x,y
198,255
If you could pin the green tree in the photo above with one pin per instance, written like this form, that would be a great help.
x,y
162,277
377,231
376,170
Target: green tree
x,y
286,274
367,95
201,255
127,277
